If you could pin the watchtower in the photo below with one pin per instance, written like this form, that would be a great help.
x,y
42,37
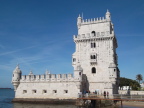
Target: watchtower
x,y
95,53
16,77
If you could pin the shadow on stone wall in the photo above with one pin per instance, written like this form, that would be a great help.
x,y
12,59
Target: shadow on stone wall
x,y
85,83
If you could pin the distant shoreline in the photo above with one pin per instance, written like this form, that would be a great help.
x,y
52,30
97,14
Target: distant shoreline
x,y
5,88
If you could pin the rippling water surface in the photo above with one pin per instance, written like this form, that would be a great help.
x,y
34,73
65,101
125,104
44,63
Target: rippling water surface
x,y
6,95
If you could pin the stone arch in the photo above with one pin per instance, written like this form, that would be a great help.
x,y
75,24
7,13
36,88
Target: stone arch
x,y
93,33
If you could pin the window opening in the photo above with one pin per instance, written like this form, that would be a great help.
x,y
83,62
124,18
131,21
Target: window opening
x,y
91,45
34,91
93,33
93,70
74,59
24,91
54,91
91,57
65,91
94,45
94,57
44,91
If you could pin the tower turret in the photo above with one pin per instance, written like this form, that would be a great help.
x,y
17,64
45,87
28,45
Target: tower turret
x,y
108,16
114,77
79,21
113,71
16,77
78,72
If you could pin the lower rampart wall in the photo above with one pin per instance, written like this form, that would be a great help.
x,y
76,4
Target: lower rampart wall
x,y
44,90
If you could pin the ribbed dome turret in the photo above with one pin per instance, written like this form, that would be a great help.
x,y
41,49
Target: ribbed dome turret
x,y
17,70
108,13
16,77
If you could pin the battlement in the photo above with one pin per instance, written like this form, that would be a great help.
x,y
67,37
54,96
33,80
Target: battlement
x,y
49,78
107,18
94,20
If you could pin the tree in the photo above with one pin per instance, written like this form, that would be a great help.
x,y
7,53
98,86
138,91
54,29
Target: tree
x,y
129,82
139,78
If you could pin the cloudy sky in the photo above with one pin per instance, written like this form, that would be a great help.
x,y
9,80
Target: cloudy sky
x,y
38,34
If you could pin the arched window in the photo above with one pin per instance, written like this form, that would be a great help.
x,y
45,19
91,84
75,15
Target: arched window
x,y
93,33
91,57
94,57
93,70
91,45
94,45
74,59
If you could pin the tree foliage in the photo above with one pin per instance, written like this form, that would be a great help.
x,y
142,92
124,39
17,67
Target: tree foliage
x,y
129,82
139,78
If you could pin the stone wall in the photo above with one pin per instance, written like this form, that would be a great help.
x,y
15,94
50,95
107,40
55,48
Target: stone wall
x,y
131,92
44,90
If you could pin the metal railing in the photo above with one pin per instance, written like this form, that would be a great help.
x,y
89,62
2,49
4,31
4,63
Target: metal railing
x,y
114,96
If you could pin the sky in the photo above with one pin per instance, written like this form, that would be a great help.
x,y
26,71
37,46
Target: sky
x,y
38,34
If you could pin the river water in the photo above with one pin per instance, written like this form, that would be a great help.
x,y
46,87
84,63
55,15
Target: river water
x,y
6,96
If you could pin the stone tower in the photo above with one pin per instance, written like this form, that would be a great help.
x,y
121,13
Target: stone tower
x,y
16,77
96,54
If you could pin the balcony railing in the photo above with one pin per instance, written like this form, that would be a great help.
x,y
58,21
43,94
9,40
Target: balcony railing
x,y
93,61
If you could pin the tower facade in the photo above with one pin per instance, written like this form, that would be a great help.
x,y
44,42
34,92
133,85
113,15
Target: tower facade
x,y
95,53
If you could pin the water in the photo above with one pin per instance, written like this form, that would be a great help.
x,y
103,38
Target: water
x,y
6,96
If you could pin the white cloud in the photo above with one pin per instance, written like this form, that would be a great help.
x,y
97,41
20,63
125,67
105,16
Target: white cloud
x,y
17,50
6,67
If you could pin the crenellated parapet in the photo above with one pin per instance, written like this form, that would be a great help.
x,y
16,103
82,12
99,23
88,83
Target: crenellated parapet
x,y
94,20
81,21
50,78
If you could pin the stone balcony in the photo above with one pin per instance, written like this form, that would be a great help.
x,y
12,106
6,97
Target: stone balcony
x,y
93,61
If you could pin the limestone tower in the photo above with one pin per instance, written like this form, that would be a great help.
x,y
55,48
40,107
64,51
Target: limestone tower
x,y
16,77
96,54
